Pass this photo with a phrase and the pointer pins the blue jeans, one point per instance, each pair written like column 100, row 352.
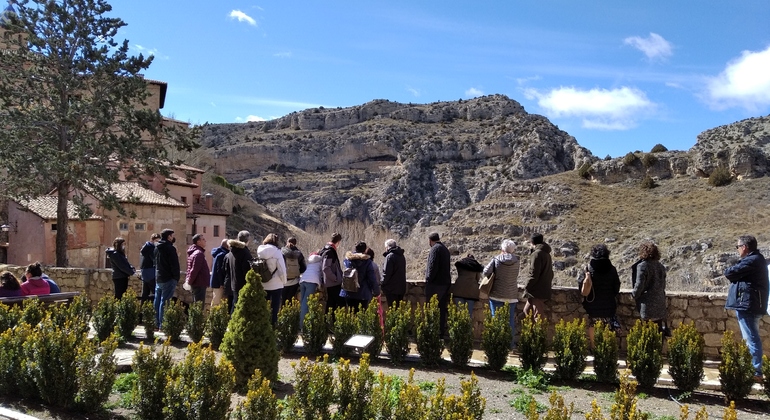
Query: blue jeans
column 274, row 298
column 305, row 290
column 163, row 293
column 494, row 305
column 466, row 301
column 749, row 324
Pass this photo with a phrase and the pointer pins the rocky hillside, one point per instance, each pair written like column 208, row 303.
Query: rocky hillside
column 482, row 170
column 392, row 165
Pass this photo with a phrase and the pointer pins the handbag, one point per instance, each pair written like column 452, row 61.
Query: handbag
column 485, row 286
column 588, row 287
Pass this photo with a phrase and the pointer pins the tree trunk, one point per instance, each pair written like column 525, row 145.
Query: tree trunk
column 62, row 220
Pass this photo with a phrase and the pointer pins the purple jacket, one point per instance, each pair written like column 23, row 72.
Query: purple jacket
column 197, row 267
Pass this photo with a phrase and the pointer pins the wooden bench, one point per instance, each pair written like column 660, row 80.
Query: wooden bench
column 51, row 299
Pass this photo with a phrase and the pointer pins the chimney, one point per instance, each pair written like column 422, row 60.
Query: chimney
column 208, row 200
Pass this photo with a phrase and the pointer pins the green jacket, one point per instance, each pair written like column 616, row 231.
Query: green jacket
column 539, row 275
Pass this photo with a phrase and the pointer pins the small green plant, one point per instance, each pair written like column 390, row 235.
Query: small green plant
column 398, row 322
column 127, row 316
column 314, row 332
column 260, row 403
column 645, row 348
column 649, row 159
column 33, row 312
column 105, row 317
column 648, row 183
column 736, row 373
column 314, row 389
column 9, row 316
column 526, row 404
column 625, row 400
column 533, row 346
column 428, row 333
column 605, row 354
column 196, row 322
column 570, row 346
column 14, row 380
column 720, row 176
column 369, row 324
column 354, row 394
column 460, row 343
column 345, row 325
column 685, row 357
column 149, row 320
column 496, row 337
column 52, row 363
column 411, row 404
column 152, row 369
column 124, row 385
column 557, row 410
column 766, row 375
column 658, row 148
column 287, row 327
column 249, row 343
column 95, row 373
column 173, row 320
column 199, row 387
column 216, row 324
column 630, row 158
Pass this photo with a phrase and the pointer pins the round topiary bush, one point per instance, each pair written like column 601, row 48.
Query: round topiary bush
column 658, row 148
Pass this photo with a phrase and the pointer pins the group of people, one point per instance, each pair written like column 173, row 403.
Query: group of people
column 35, row 283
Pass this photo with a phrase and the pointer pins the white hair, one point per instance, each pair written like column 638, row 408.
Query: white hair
column 508, row 246
column 390, row 243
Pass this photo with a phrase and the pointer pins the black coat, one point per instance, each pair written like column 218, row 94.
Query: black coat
column 166, row 262
column 147, row 259
column 602, row 301
column 121, row 268
column 394, row 272
column 237, row 264
column 438, row 272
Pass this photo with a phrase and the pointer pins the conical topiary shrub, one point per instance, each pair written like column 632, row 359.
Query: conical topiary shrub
column 685, row 357
column 249, row 342
column 645, row 353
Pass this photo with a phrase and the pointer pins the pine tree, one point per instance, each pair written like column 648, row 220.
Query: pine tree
column 250, row 342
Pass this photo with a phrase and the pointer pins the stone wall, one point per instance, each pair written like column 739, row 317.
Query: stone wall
column 707, row 310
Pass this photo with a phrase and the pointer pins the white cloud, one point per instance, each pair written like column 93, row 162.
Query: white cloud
column 250, row 118
column 284, row 54
column 473, row 92
column 745, row 82
column 242, row 17
column 521, row 81
column 601, row 109
column 150, row 52
column 653, row 47
column 413, row 91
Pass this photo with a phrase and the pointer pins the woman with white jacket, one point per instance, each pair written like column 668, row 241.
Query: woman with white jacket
column 271, row 251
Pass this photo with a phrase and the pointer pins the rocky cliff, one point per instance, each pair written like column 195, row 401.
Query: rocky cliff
column 389, row 164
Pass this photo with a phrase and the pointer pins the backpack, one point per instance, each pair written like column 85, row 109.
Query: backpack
column 292, row 267
column 259, row 265
column 350, row 280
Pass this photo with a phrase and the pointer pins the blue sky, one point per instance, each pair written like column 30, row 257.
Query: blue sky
column 618, row 75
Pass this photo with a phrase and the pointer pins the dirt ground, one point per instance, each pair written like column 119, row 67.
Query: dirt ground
column 499, row 388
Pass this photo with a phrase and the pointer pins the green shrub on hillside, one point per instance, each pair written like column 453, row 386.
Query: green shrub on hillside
column 645, row 348
column 649, row 159
column 585, row 170
column 630, row 158
column 685, row 357
column 658, row 148
column 720, row 176
column 648, row 183
column 249, row 343
column 398, row 322
column 736, row 373
column 570, row 346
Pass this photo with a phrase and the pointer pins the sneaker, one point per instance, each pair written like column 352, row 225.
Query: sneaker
column 758, row 379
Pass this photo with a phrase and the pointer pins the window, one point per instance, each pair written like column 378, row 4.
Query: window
column 53, row 227
column 123, row 226
column 216, row 230
column 140, row 226
column 184, row 200
column 204, row 229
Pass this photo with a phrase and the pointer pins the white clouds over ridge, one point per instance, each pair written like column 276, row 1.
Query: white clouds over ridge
column 745, row 82
column 474, row 92
column 653, row 47
column 601, row 109
column 250, row 118
column 242, row 17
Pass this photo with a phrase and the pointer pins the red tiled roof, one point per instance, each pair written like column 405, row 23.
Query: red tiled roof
column 189, row 168
column 132, row 192
column 201, row 209
column 177, row 180
column 45, row 208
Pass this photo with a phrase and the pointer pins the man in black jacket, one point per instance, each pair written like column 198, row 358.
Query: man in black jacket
column 147, row 266
column 393, row 273
column 166, row 271
column 237, row 264
column 438, row 277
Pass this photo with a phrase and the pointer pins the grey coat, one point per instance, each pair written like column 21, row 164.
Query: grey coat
column 505, row 286
column 649, row 283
